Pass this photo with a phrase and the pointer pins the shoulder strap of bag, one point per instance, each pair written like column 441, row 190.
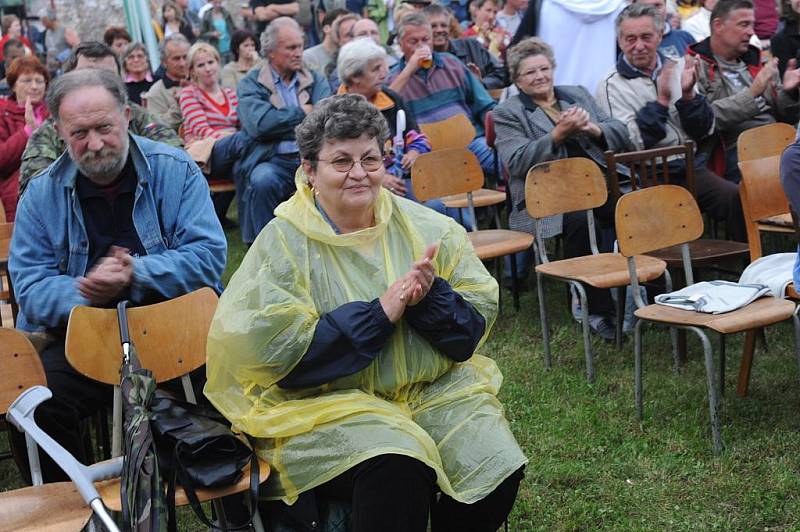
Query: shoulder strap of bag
column 191, row 494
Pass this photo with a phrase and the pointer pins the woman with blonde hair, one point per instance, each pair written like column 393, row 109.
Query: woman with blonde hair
column 209, row 110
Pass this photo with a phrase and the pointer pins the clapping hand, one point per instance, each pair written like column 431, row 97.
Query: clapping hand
column 791, row 76
column 108, row 278
column 411, row 288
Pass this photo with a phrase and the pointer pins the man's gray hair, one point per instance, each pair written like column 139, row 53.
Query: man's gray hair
column 172, row 37
column 269, row 37
column 355, row 57
column 637, row 11
column 80, row 79
column 346, row 116
column 412, row 19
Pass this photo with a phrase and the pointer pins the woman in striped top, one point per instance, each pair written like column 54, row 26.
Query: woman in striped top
column 209, row 110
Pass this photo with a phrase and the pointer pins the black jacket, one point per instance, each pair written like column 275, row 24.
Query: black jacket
column 469, row 50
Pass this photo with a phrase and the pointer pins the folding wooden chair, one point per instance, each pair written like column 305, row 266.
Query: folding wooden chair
column 454, row 132
column 170, row 340
column 651, row 168
column 457, row 132
column 54, row 507
column 763, row 201
column 664, row 216
column 764, row 141
column 766, row 209
column 568, row 185
column 457, row 171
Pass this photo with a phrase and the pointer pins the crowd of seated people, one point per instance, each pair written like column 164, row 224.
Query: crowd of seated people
column 263, row 97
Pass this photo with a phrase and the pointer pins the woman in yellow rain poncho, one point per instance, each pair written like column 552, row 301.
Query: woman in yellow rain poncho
column 344, row 344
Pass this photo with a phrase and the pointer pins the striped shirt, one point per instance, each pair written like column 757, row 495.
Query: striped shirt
column 202, row 116
column 444, row 90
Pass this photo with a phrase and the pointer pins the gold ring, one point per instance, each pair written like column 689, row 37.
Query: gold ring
column 403, row 288
column 402, row 297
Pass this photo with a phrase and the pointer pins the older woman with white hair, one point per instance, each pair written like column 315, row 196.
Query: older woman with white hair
column 362, row 65
column 363, row 69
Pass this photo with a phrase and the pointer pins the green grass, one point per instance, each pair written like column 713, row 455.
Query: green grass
column 593, row 466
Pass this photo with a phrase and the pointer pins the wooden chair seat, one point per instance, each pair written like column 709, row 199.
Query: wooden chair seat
column 781, row 223
column 109, row 490
column 764, row 311
column 606, row 270
column 221, row 185
column 703, row 251
column 791, row 293
column 56, row 507
column 484, row 197
column 493, row 243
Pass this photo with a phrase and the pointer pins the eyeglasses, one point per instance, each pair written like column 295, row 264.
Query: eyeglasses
column 370, row 164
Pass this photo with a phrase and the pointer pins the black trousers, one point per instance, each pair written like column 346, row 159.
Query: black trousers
column 719, row 198
column 395, row 493
column 75, row 398
column 576, row 244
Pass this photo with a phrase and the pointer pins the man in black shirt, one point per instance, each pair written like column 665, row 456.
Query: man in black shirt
column 265, row 11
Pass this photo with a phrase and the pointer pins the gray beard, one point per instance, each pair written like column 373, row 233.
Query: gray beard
column 103, row 171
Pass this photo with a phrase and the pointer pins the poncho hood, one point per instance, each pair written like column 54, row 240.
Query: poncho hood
column 301, row 211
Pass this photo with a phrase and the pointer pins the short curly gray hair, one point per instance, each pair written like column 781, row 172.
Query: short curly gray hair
column 346, row 116
column 528, row 48
column 355, row 57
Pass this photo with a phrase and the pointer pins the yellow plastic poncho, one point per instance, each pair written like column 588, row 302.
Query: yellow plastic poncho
column 411, row 400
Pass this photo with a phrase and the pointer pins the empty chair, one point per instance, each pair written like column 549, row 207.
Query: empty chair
column 664, row 216
column 456, row 171
column 568, row 185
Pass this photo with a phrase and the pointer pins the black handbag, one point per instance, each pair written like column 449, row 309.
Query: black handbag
column 197, row 449
column 194, row 447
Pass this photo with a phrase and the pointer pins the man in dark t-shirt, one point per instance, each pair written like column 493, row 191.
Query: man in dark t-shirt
column 265, row 11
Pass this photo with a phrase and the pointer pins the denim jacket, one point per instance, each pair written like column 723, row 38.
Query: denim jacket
column 173, row 216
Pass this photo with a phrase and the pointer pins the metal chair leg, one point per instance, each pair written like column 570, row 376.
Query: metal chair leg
column 587, row 340
column 543, row 317
column 637, row 368
column 621, row 299
column 514, row 281
column 722, row 365
column 713, row 397
column 676, row 351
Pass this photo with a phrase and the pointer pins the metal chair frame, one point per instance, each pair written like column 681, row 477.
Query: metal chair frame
column 715, row 387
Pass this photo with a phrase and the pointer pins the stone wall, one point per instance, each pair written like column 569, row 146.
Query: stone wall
column 91, row 17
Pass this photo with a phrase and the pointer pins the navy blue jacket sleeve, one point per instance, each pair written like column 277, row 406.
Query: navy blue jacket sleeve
column 696, row 116
column 346, row 340
column 790, row 175
column 652, row 122
column 447, row 321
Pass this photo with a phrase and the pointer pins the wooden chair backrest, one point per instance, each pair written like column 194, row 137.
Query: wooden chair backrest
column 764, row 141
column 6, row 231
column 454, row 132
column 656, row 217
column 445, row 172
column 2, row 213
column 565, row 185
column 760, row 189
column 762, row 196
column 650, row 166
column 21, row 365
column 170, row 337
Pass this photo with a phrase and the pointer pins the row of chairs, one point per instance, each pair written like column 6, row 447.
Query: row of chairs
column 167, row 343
